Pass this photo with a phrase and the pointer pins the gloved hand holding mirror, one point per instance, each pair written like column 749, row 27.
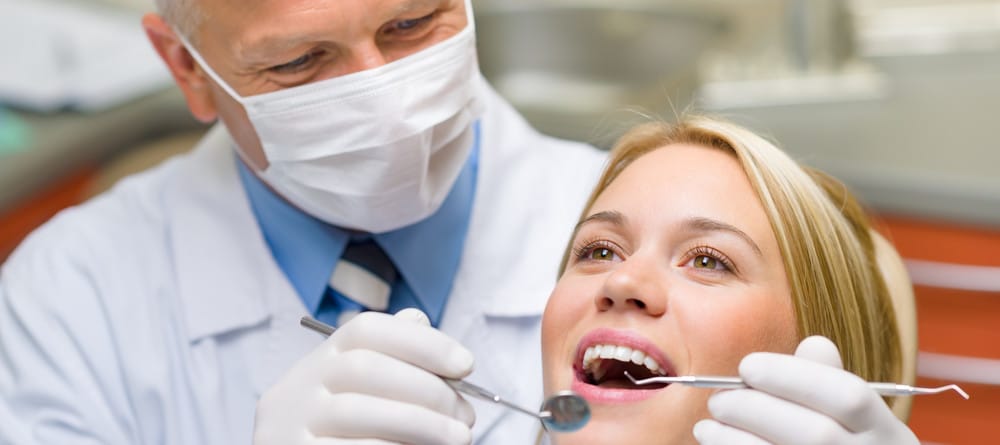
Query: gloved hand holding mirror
column 562, row 412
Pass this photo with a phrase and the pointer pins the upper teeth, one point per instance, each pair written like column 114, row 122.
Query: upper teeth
column 593, row 355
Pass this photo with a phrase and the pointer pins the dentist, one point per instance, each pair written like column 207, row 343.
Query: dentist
column 360, row 164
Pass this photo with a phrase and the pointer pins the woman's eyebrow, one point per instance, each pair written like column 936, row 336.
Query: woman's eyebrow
column 702, row 224
column 609, row 216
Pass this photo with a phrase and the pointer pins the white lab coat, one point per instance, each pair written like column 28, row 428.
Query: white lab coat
column 155, row 314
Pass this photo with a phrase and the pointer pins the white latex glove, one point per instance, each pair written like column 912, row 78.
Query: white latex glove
column 374, row 381
column 803, row 399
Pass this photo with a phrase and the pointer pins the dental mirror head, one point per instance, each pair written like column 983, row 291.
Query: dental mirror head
column 565, row 412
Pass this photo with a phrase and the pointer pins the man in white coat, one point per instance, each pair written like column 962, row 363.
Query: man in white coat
column 167, row 310
column 361, row 165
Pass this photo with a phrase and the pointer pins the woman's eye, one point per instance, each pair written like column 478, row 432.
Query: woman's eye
column 706, row 262
column 597, row 251
column 602, row 254
column 707, row 258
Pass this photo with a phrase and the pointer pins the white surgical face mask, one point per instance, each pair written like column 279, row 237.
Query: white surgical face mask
column 374, row 150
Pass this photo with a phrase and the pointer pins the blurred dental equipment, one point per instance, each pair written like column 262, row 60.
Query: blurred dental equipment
column 73, row 55
column 564, row 412
column 883, row 388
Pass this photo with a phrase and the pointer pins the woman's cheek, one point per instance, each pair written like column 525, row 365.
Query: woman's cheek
column 718, row 328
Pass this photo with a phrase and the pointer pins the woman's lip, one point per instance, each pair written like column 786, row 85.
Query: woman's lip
column 596, row 395
column 617, row 337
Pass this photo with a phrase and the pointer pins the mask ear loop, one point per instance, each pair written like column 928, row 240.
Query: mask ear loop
column 256, row 169
column 470, row 16
column 208, row 69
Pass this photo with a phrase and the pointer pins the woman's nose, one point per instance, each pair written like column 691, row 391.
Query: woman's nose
column 636, row 284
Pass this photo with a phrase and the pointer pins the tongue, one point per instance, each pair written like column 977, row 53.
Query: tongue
column 614, row 376
column 619, row 384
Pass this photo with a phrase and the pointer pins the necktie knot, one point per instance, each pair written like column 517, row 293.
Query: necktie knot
column 362, row 280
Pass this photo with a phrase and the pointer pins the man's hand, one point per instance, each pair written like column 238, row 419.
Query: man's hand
column 803, row 399
column 376, row 380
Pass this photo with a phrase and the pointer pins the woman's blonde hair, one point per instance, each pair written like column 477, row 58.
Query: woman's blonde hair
column 822, row 232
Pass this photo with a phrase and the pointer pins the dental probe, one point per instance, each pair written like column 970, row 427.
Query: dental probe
column 704, row 381
column 564, row 412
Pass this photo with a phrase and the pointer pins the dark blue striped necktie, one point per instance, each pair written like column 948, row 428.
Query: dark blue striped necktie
column 362, row 280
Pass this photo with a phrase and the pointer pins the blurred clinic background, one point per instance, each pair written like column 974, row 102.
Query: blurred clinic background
column 898, row 98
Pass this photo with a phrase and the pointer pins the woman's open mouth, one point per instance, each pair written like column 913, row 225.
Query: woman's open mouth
column 606, row 365
column 603, row 360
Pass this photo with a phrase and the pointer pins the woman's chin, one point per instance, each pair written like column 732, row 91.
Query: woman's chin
column 603, row 431
column 663, row 416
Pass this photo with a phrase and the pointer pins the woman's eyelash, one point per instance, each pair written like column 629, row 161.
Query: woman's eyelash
column 582, row 250
column 713, row 253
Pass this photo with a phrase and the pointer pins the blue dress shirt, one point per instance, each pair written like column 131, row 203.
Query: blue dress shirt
column 426, row 254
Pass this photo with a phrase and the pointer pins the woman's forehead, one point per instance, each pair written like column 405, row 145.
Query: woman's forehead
column 677, row 184
column 680, row 174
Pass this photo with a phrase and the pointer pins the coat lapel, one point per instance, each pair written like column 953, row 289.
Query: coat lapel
column 227, row 277
column 213, row 243
column 508, row 357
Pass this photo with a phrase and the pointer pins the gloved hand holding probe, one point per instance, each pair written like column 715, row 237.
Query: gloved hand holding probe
column 808, row 399
column 358, row 384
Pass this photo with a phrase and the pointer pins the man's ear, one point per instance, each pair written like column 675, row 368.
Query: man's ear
column 189, row 77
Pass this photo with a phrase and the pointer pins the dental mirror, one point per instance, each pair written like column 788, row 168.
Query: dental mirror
column 564, row 412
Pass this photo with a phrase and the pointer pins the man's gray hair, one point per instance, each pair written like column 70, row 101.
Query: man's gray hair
column 183, row 15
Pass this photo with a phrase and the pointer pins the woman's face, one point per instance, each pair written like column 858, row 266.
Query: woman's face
column 675, row 267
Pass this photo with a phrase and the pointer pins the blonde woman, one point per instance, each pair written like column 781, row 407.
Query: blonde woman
column 705, row 250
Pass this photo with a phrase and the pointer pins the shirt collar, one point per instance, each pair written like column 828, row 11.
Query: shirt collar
column 426, row 254
column 304, row 247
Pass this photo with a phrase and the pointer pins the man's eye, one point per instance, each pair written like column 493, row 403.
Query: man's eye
column 408, row 25
column 295, row 65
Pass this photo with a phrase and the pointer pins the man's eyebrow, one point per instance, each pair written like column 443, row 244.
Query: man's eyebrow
column 407, row 7
column 609, row 216
column 264, row 46
column 702, row 224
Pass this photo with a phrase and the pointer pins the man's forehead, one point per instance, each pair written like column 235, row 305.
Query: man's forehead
column 354, row 9
column 266, row 24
